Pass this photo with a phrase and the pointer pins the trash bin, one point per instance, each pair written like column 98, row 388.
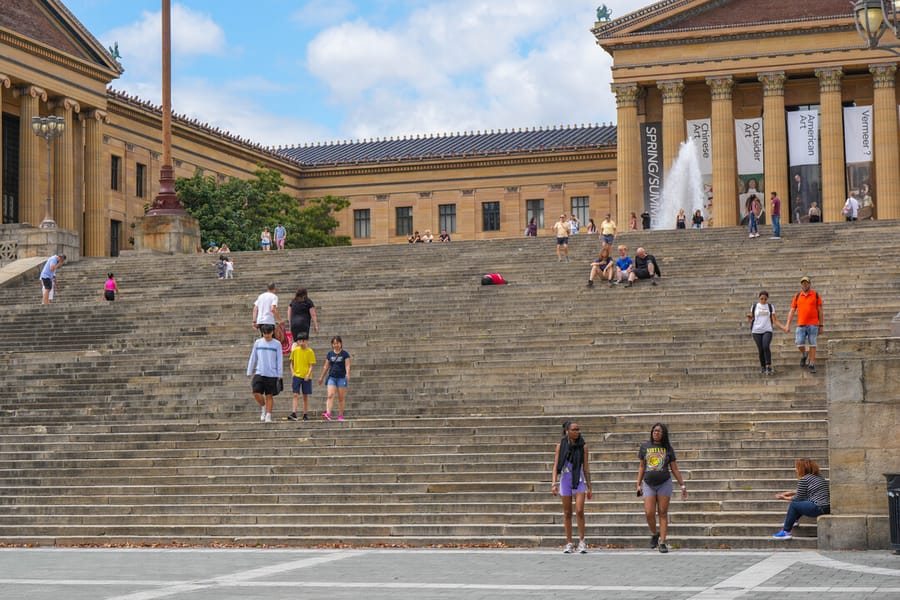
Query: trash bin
column 893, row 493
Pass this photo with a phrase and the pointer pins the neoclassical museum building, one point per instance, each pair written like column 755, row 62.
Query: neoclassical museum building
column 774, row 96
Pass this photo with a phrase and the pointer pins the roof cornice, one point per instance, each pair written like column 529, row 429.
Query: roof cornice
column 52, row 55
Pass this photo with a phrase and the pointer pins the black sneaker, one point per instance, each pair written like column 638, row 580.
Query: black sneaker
column 812, row 368
column 305, row 417
column 589, row 283
column 653, row 281
column 629, row 284
column 663, row 549
column 803, row 360
column 763, row 370
column 292, row 417
column 770, row 371
column 654, row 541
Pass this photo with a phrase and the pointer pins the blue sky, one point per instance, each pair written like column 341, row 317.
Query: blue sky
column 285, row 73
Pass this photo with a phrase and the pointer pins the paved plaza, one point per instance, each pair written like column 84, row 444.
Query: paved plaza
column 375, row 574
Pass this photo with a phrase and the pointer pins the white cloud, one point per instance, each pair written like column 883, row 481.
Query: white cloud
column 320, row 13
column 193, row 34
column 467, row 65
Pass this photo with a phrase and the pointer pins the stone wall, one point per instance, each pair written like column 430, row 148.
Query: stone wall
column 863, row 441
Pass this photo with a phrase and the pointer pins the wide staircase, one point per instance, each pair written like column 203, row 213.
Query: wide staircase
column 132, row 422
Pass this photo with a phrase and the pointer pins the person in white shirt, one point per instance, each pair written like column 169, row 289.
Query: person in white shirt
column 265, row 308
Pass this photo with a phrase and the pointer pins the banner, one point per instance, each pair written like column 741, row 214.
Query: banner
column 858, row 122
column 803, row 137
column 748, row 135
column 805, row 201
column 652, row 160
column 858, row 134
column 700, row 130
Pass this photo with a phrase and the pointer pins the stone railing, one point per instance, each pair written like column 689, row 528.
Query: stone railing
column 9, row 251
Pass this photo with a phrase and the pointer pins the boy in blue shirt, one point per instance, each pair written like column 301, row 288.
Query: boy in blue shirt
column 265, row 367
column 624, row 265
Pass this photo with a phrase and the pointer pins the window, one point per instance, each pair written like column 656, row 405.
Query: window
column 139, row 174
column 447, row 218
column 490, row 216
column 404, row 220
column 115, row 166
column 580, row 205
column 362, row 223
column 534, row 209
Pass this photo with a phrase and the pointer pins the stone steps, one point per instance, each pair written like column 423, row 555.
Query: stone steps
column 131, row 422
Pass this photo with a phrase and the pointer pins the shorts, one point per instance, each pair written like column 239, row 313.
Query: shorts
column 336, row 382
column 565, row 483
column 47, row 282
column 807, row 333
column 608, row 239
column 642, row 273
column 109, row 295
column 265, row 244
column 563, row 241
column 299, row 385
column 279, row 242
column 264, row 385
column 663, row 489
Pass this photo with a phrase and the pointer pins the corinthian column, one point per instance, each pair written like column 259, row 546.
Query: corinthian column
column 4, row 83
column 775, row 139
column 834, row 186
column 63, row 166
column 628, row 151
column 673, row 119
column 887, row 179
column 31, row 207
column 724, row 161
column 96, row 216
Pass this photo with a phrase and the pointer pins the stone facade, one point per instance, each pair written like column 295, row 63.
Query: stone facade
column 863, row 445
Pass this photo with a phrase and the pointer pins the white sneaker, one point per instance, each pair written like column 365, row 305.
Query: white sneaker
column 582, row 548
column 569, row 549
column 262, row 413
column 268, row 418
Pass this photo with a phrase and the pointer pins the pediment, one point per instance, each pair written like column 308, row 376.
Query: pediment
column 49, row 23
column 698, row 15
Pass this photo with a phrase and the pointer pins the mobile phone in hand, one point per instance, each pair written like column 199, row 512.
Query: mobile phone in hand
column 639, row 493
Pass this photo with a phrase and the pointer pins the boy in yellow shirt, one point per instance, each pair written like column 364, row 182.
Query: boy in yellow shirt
column 302, row 360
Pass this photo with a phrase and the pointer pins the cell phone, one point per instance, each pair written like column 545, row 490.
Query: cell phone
column 639, row 493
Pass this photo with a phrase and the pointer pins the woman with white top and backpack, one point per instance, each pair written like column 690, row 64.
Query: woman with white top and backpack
column 762, row 318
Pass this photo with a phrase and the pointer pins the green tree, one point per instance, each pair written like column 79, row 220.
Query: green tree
column 235, row 211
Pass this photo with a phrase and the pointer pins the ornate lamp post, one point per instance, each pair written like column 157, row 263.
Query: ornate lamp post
column 48, row 128
column 873, row 18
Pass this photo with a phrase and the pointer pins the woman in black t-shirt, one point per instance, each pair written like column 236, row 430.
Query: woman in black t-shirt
column 302, row 312
column 654, row 482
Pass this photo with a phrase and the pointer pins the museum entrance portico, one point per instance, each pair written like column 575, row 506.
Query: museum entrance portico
column 777, row 98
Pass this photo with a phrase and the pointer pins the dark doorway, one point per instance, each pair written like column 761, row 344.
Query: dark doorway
column 10, row 145
column 115, row 230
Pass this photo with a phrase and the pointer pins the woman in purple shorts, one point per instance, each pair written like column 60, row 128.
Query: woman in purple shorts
column 654, row 482
column 572, row 457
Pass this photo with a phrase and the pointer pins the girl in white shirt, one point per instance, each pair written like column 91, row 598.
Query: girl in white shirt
column 761, row 318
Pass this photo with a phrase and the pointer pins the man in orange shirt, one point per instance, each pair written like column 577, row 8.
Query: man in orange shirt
column 808, row 306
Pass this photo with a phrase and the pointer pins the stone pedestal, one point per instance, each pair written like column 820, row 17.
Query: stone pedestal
column 167, row 234
column 863, row 420
column 34, row 241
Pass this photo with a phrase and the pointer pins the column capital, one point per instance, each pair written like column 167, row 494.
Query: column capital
column 627, row 94
column 829, row 79
column 672, row 90
column 4, row 80
column 30, row 90
column 884, row 75
column 773, row 83
column 65, row 104
column 721, row 87
column 96, row 114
